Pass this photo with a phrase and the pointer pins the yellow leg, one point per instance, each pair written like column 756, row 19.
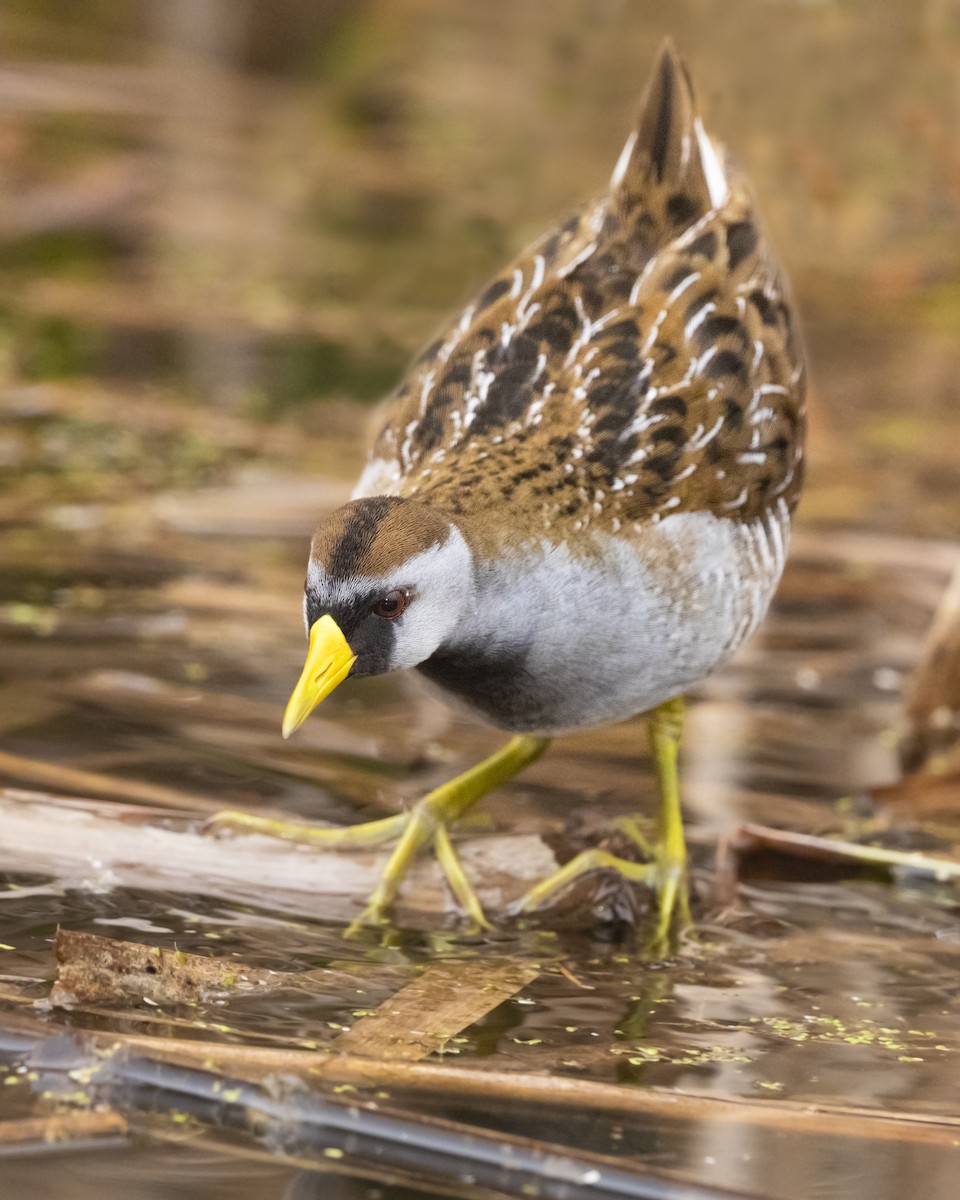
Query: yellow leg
column 666, row 729
column 426, row 822
column 585, row 862
column 667, row 873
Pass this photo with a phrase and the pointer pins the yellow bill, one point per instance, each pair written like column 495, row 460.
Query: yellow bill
column 329, row 660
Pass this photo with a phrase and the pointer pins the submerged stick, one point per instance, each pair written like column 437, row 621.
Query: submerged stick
column 423, row 1151
column 80, row 841
column 439, row 1081
column 67, row 1131
column 526, row 1089
column 362, row 1138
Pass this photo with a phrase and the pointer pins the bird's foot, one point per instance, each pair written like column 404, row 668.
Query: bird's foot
column 673, row 906
column 427, row 822
column 423, row 824
column 353, row 837
column 665, row 873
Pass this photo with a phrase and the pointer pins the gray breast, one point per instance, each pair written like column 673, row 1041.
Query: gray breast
column 560, row 641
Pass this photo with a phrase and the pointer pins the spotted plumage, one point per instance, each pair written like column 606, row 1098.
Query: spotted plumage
column 640, row 359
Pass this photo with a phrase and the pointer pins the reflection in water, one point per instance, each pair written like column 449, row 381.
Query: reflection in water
column 307, row 1185
column 358, row 167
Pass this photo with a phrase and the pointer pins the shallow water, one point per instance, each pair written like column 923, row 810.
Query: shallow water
column 813, row 986
column 358, row 168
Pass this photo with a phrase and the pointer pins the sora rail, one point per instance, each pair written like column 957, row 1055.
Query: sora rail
column 579, row 502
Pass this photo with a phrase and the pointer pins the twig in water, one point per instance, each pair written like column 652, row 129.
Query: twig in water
column 750, row 838
column 62, row 1131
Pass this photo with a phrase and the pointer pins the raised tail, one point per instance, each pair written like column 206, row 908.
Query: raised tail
column 670, row 172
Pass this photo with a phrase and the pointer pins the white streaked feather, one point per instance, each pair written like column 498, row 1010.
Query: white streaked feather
column 713, row 170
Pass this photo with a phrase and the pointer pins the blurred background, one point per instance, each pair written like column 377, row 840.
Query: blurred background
column 225, row 228
column 227, row 225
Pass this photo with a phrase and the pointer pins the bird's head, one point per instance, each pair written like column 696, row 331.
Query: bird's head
column 387, row 582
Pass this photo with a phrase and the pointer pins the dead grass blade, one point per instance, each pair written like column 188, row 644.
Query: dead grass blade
column 107, row 787
column 750, row 838
column 435, row 1007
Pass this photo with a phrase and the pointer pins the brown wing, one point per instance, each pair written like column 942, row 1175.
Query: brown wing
column 638, row 360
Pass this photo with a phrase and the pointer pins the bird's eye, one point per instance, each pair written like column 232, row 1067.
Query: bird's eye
column 392, row 604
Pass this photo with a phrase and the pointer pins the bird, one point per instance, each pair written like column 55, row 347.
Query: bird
column 578, row 502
